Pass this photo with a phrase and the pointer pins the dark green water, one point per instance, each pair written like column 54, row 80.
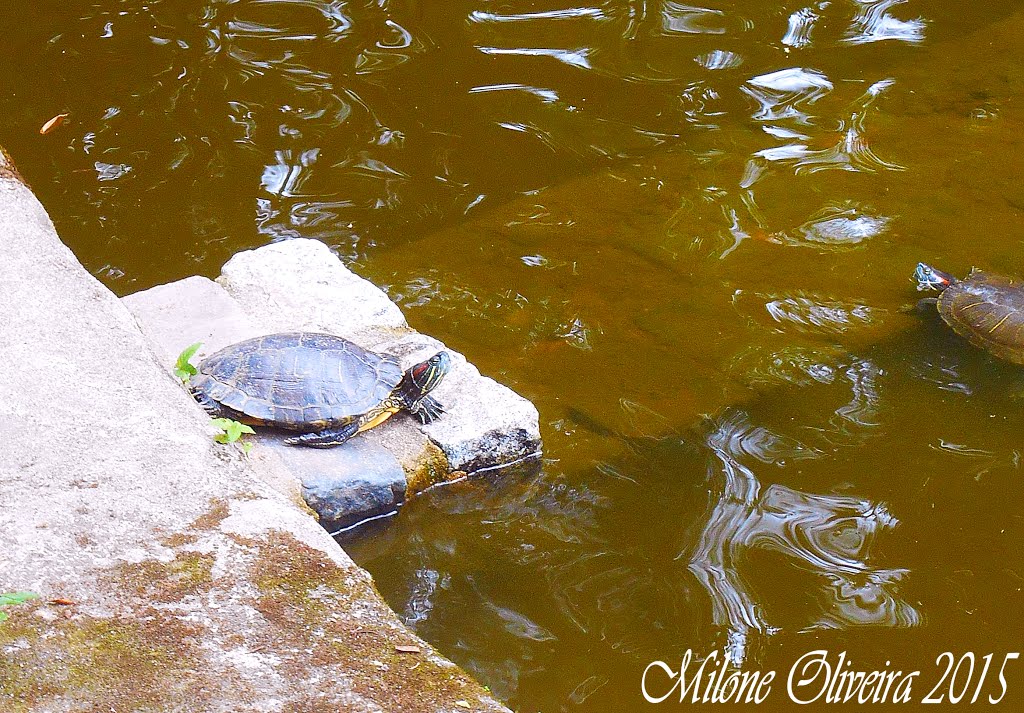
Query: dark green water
column 686, row 232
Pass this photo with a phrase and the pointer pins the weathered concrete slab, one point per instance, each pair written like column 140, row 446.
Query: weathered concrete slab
column 192, row 310
column 195, row 586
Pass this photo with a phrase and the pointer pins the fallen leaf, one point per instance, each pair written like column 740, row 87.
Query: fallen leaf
column 63, row 602
column 408, row 649
column 53, row 124
column 462, row 704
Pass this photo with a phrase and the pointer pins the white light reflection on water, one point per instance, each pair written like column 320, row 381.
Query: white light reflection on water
column 874, row 23
column 829, row 535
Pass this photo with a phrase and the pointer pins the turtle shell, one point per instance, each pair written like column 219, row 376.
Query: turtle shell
column 988, row 311
column 301, row 381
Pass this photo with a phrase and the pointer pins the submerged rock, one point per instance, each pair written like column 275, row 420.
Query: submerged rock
column 346, row 486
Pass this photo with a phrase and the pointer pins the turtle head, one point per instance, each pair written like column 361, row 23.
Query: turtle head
column 928, row 278
column 428, row 374
column 421, row 378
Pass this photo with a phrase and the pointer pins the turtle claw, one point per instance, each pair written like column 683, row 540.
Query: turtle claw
column 427, row 409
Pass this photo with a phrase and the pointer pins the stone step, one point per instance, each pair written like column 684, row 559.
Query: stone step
column 300, row 285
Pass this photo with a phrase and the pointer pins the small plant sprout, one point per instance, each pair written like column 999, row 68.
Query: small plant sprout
column 10, row 598
column 231, row 432
column 182, row 368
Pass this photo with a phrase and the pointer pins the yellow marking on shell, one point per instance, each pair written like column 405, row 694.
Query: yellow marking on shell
column 974, row 304
column 1006, row 317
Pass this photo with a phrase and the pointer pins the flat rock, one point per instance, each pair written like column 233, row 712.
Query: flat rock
column 301, row 284
column 192, row 310
column 344, row 486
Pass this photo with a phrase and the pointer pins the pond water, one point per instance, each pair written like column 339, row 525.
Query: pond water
column 686, row 232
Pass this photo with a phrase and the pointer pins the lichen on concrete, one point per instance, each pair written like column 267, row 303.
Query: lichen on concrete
column 146, row 661
column 300, row 595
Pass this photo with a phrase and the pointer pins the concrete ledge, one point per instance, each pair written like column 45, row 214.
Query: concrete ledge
column 174, row 573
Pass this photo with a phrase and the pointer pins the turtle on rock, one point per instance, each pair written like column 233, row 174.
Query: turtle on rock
column 324, row 386
column 985, row 309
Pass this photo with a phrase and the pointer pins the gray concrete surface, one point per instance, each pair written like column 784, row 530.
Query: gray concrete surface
column 174, row 574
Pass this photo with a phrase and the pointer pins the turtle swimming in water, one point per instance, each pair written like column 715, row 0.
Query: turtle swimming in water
column 985, row 309
column 321, row 385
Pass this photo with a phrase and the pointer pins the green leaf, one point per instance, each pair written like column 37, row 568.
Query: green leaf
column 246, row 447
column 182, row 368
column 239, row 429
column 3, row 617
column 9, row 598
column 232, row 430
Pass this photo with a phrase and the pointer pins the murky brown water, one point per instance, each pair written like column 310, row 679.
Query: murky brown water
column 684, row 231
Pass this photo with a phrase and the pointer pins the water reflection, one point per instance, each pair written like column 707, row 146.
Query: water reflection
column 828, row 535
column 801, row 23
column 782, row 96
column 787, row 94
column 677, row 17
column 874, row 23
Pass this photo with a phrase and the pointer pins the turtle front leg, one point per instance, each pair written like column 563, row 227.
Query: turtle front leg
column 427, row 409
column 927, row 305
column 327, row 438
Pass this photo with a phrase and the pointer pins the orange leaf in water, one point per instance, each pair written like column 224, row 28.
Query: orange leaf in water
column 53, row 124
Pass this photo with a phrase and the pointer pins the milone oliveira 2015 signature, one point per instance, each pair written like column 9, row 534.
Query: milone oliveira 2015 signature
column 817, row 678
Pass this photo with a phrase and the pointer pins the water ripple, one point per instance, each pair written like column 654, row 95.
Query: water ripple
column 719, row 59
column 793, row 364
column 574, row 58
column 785, row 94
column 851, row 150
column 874, row 23
column 863, row 407
column 801, row 22
column 818, row 314
column 562, row 14
column 687, row 19
column 548, row 96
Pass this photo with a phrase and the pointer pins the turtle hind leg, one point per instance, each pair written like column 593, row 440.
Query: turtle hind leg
column 427, row 409
column 327, row 438
column 212, row 407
